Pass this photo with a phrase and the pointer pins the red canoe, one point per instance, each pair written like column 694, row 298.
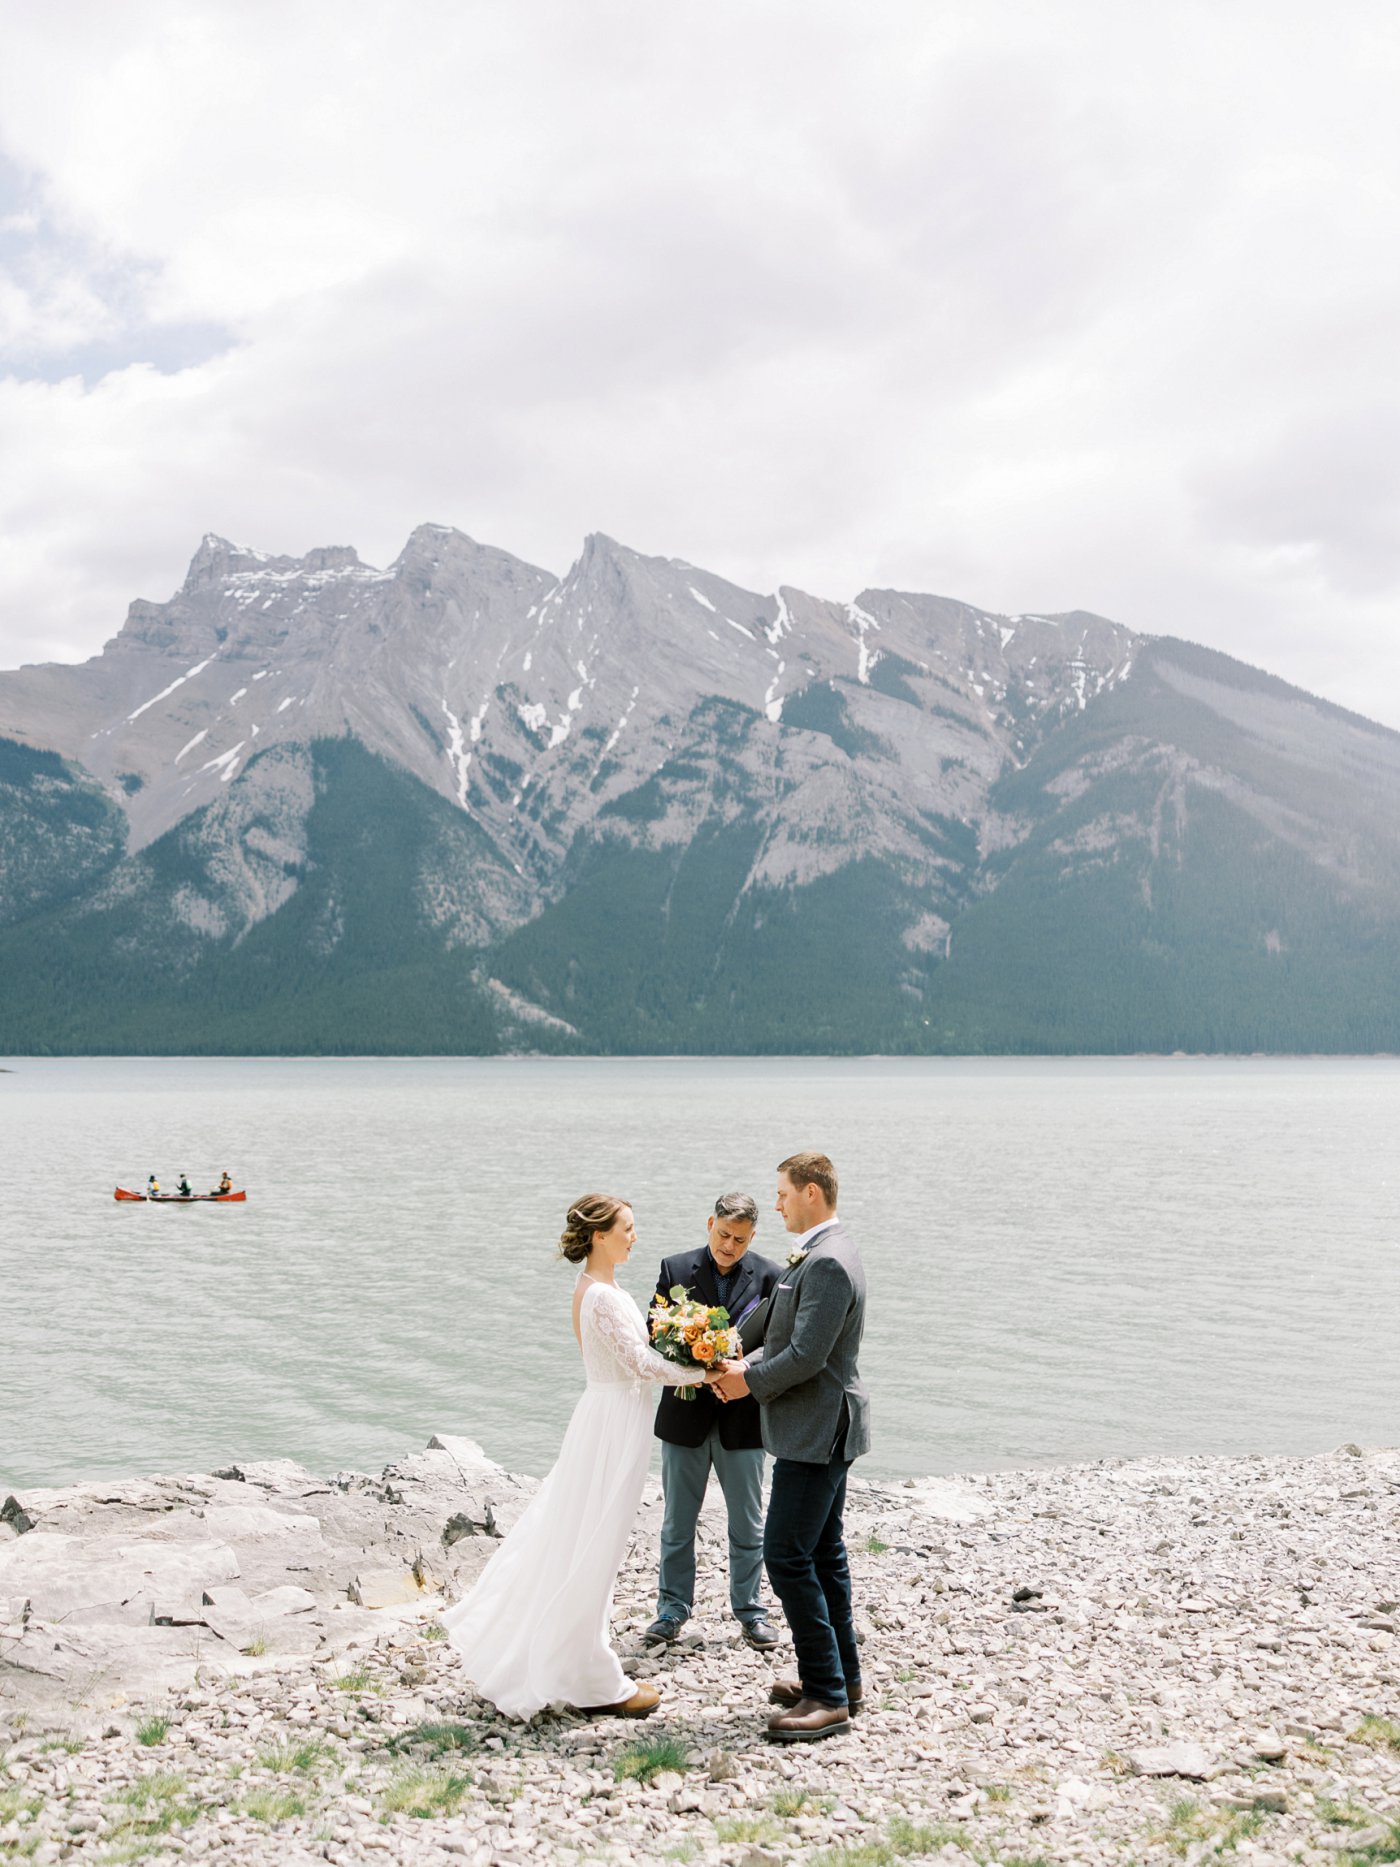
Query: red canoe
column 178, row 1199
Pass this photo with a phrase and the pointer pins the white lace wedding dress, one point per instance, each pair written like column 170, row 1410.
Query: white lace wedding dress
column 534, row 1630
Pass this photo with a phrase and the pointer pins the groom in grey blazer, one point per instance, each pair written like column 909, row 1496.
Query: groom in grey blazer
column 816, row 1421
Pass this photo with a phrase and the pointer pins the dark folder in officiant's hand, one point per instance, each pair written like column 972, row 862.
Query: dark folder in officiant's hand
column 752, row 1325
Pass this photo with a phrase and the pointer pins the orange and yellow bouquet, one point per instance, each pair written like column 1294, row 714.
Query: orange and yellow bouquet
column 691, row 1334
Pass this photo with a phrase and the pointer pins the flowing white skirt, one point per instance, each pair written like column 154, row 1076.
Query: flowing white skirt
column 534, row 1630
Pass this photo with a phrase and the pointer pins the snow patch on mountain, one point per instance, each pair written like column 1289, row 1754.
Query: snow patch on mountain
column 166, row 692
column 457, row 757
column 226, row 763
column 782, row 622
column 626, row 715
column 866, row 657
column 772, row 700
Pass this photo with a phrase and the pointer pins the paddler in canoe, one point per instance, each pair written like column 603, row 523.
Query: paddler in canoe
column 183, row 1187
column 152, row 1186
column 225, row 1185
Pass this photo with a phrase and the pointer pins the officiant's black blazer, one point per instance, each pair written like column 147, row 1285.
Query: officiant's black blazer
column 688, row 1422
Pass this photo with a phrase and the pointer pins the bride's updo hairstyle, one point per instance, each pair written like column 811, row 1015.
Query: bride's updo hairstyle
column 595, row 1212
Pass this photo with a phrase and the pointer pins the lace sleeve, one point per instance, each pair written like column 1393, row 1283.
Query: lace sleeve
column 614, row 1322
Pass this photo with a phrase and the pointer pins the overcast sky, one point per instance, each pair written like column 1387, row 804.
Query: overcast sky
column 1045, row 306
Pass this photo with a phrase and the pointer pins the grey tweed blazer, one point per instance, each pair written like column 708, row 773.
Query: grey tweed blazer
column 806, row 1367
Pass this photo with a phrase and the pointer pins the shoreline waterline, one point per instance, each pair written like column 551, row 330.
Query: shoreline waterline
column 706, row 1056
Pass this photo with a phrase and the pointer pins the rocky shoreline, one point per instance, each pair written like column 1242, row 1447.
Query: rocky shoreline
column 1129, row 1662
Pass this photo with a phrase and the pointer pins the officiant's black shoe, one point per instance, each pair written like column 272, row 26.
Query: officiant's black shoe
column 664, row 1632
column 789, row 1692
column 808, row 1722
column 762, row 1634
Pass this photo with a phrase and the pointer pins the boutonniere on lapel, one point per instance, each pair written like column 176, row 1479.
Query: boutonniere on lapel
column 797, row 1257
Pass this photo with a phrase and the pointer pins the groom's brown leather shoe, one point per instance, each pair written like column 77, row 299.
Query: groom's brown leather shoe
column 642, row 1704
column 789, row 1692
column 808, row 1722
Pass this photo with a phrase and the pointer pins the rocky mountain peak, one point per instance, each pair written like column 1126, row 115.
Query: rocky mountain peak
column 216, row 558
column 433, row 542
column 604, row 569
column 438, row 560
column 333, row 557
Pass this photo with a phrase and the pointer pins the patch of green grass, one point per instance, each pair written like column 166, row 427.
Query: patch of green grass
column 17, row 1802
column 153, row 1730
column 274, row 1805
column 66, row 1742
column 906, row 1839
column 1379, row 1733
column 1191, row 1824
column 1116, row 1763
column 152, row 1805
column 356, row 1679
column 859, row 1854
column 683, row 1851
column 426, row 1789
column 874, row 1547
column 1378, row 1851
column 790, row 1801
column 161, row 1786
column 1342, row 1814
column 435, row 1631
column 256, row 1647
column 753, row 1828
column 302, row 1758
column 998, row 1792
column 906, row 1675
column 648, row 1757
column 438, row 1739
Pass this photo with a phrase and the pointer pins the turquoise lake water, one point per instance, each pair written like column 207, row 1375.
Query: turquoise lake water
column 1067, row 1258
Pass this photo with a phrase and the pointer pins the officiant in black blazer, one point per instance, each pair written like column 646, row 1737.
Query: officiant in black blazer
column 703, row 1435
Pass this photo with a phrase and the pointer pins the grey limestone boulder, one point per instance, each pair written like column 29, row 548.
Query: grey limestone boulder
column 141, row 1584
column 63, row 1574
column 1192, row 1761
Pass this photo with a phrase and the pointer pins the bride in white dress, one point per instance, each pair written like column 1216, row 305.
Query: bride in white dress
column 534, row 1630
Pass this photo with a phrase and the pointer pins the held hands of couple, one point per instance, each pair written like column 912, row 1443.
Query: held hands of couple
column 727, row 1379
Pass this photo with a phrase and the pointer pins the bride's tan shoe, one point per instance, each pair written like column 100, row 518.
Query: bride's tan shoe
column 642, row 1704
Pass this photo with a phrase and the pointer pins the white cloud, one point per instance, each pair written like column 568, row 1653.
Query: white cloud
column 1042, row 305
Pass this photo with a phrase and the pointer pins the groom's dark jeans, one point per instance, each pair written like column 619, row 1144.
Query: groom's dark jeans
column 804, row 1549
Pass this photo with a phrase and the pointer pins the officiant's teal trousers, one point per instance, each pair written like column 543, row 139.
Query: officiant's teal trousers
column 685, row 1473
